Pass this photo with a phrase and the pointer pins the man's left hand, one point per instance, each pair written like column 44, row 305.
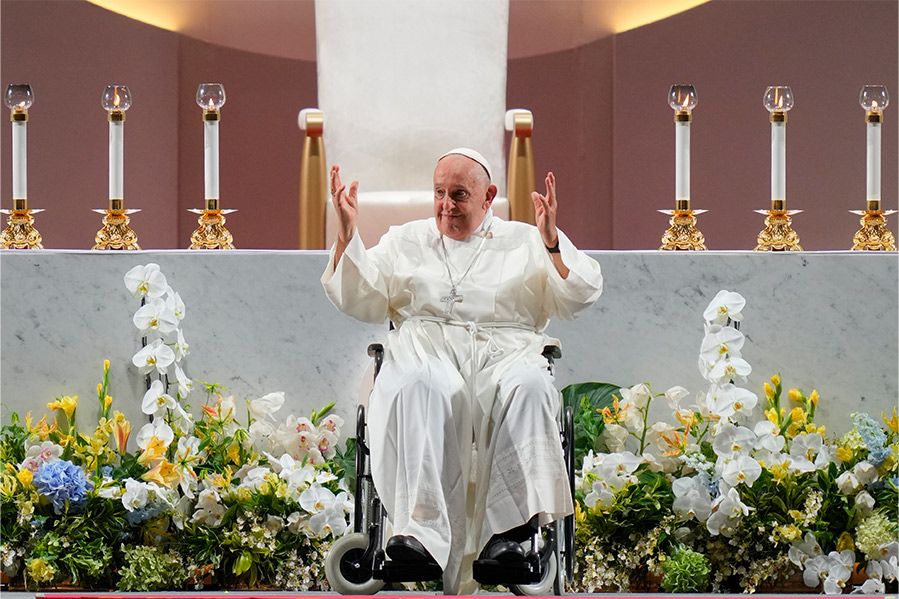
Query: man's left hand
column 545, row 208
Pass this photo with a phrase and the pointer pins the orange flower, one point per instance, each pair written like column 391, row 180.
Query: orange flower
column 122, row 430
column 163, row 473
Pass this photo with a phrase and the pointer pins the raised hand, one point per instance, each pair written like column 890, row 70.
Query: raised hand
column 545, row 209
column 345, row 204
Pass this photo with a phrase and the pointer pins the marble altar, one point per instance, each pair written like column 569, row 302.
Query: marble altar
column 258, row 321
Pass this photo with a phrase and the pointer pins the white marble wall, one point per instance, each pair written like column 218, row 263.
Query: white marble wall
column 259, row 322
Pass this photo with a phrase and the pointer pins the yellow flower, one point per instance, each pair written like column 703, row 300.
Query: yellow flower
column 40, row 571
column 769, row 391
column 893, row 422
column 107, row 402
column 105, row 366
column 234, row 453
column 8, row 485
column 25, row 477
column 779, row 471
column 798, row 415
column 845, row 542
column 771, row 415
column 792, row 430
column 789, row 532
column 795, row 395
column 66, row 403
column 244, row 495
column 844, row 454
column 814, row 398
column 775, row 378
column 796, row 515
column 99, row 389
column 163, row 473
column 155, row 450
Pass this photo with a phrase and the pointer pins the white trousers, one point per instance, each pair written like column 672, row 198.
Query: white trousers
column 448, row 492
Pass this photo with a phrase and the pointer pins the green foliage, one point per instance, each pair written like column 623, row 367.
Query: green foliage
column 12, row 441
column 686, row 571
column 344, row 463
column 639, row 507
column 588, row 400
column 150, row 569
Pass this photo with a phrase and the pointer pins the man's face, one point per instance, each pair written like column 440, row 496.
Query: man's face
column 462, row 196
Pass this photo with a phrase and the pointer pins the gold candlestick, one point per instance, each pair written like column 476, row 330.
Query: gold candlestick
column 874, row 235
column 211, row 233
column 778, row 234
column 683, row 234
column 20, row 233
column 116, row 233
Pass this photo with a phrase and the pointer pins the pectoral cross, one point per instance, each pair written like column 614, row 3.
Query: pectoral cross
column 449, row 300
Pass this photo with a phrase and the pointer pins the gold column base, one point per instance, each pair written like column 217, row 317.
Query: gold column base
column 683, row 234
column 211, row 233
column 116, row 233
column 778, row 234
column 874, row 235
column 20, row 233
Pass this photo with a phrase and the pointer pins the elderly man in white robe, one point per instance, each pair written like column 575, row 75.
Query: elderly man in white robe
column 465, row 450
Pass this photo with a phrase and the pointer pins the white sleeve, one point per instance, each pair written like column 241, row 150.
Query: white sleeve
column 358, row 285
column 566, row 297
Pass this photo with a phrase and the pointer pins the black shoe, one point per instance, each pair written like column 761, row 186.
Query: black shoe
column 407, row 549
column 503, row 550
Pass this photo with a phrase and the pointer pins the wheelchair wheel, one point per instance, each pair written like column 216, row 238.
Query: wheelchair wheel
column 546, row 585
column 344, row 570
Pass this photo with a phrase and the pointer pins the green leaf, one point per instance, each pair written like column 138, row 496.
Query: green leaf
column 243, row 563
column 598, row 394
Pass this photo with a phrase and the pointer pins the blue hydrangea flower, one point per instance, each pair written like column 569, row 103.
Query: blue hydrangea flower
column 63, row 483
column 873, row 437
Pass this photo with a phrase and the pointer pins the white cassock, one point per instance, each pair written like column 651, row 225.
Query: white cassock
column 474, row 373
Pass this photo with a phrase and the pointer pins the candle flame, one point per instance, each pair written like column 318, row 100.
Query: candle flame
column 210, row 105
column 116, row 100
column 686, row 100
column 780, row 102
column 873, row 104
column 21, row 105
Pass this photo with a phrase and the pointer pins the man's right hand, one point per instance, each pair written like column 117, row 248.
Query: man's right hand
column 345, row 204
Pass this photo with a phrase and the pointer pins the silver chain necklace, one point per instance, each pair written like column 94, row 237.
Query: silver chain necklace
column 454, row 297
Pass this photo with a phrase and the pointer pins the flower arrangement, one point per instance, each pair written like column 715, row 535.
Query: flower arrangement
column 725, row 499
column 190, row 501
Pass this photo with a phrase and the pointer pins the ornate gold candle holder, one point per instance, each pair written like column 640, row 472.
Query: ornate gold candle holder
column 778, row 234
column 683, row 234
column 116, row 233
column 20, row 233
column 211, row 233
column 874, row 235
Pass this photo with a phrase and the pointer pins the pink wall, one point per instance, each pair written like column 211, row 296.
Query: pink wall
column 601, row 122
column 732, row 51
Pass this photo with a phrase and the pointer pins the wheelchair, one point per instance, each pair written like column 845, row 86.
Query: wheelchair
column 357, row 564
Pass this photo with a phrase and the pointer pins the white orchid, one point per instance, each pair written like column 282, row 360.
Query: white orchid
column 182, row 349
column 768, row 437
column 729, row 401
column 332, row 519
column 726, row 304
column 331, row 422
column 154, row 439
column 156, row 355
column 41, row 453
column 156, row 399
column 864, row 504
column 872, row 586
column 808, row 453
column 729, row 369
column 327, row 444
column 834, row 569
column 175, row 305
column 802, row 551
column 741, row 469
column 732, row 440
column 720, row 342
column 146, row 281
column 638, row 395
column 185, row 385
column 155, row 316
column 691, row 498
column 727, row 511
column 601, row 494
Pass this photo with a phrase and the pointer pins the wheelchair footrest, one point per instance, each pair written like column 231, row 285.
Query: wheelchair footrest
column 405, row 571
column 489, row 571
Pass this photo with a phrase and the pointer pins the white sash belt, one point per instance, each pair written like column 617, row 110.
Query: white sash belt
column 474, row 330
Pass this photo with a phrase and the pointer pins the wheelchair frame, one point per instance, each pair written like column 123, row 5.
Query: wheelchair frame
column 357, row 563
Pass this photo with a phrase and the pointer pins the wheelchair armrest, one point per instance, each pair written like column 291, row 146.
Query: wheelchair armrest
column 374, row 349
column 552, row 352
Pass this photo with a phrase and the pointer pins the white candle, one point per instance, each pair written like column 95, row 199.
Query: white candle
column 211, row 156
column 116, row 160
column 19, row 160
column 682, row 160
column 873, row 172
column 778, row 161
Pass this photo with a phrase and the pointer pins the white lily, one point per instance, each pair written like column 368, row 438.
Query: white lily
column 848, row 484
column 691, row 498
column 188, row 455
column 156, row 399
column 726, row 304
column 155, row 316
column 146, row 281
column 156, row 355
column 865, row 472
